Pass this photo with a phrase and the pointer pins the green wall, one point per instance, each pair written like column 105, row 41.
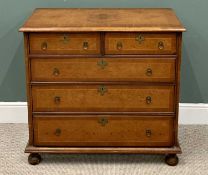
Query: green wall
column 193, row 14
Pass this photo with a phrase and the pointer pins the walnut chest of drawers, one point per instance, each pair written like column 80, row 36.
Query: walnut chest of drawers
column 103, row 81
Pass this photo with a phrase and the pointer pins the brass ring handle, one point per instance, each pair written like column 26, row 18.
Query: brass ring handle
column 57, row 132
column 149, row 72
column 44, row 46
column 56, row 72
column 102, row 63
column 85, row 45
column 148, row 99
column 102, row 90
column 57, row 99
column 161, row 45
column 103, row 121
column 119, row 45
column 139, row 38
column 148, row 133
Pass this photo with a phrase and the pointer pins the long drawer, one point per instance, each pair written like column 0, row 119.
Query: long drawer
column 65, row 43
column 106, row 98
column 140, row 43
column 106, row 69
column 61, row 130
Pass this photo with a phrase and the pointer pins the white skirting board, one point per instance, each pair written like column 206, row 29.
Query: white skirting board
column 189, row 113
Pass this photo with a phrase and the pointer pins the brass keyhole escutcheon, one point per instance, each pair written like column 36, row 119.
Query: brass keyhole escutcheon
column 148, row 133
column 119, row 45
column 85, row 45
column 148, row 99
column 161, row 45
column 57, row 100
column 149, row 72
column 139, row 38
column 44, row 46
column 57, row 132
column 65, row 39
column 56, row 72
column 103, row 121
column 102, row 63
column 102, row 90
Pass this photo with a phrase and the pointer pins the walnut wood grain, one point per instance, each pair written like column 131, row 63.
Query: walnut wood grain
column 28, row 87
column 103, row 69
column 102, row 56
column 177, row 89
column 89, row 131
column 65, row 43
column 102, row 19
column 103, row 150
column 87, row 98
column 131, row 44
column 155, row 114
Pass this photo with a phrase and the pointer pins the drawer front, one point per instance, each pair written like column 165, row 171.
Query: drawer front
column 106, row 69
column 102, row 131
column 140, row 43
column 103, row 98
column 58, row 43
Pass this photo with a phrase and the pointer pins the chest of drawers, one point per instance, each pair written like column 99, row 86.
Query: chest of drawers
column 103, row 81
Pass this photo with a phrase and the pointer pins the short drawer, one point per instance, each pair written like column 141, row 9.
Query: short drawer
column 63, row 44
column 102, row 130
column 140, row 43
column 103, row 98
column 106, row 69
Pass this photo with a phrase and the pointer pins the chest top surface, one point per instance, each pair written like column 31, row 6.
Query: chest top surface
column 102, row 19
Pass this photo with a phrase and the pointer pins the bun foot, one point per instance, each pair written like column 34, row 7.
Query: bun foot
column 34, row 158
column 171, row 159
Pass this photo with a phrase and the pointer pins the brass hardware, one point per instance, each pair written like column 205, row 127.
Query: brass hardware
column 161, row 45
column 148, row 100
column 148, row 133
column 119, row 45
column 65, row 39
column 57, row 132
column 139, row 38
column 102, row 90
column 103, row 121
column 149, row 72
column 44, row 46
column 56, row 72
column 102, row 63
column 57, row 99
column 85, row 45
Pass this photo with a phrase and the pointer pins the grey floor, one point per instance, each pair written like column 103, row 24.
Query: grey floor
column 193, row 161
